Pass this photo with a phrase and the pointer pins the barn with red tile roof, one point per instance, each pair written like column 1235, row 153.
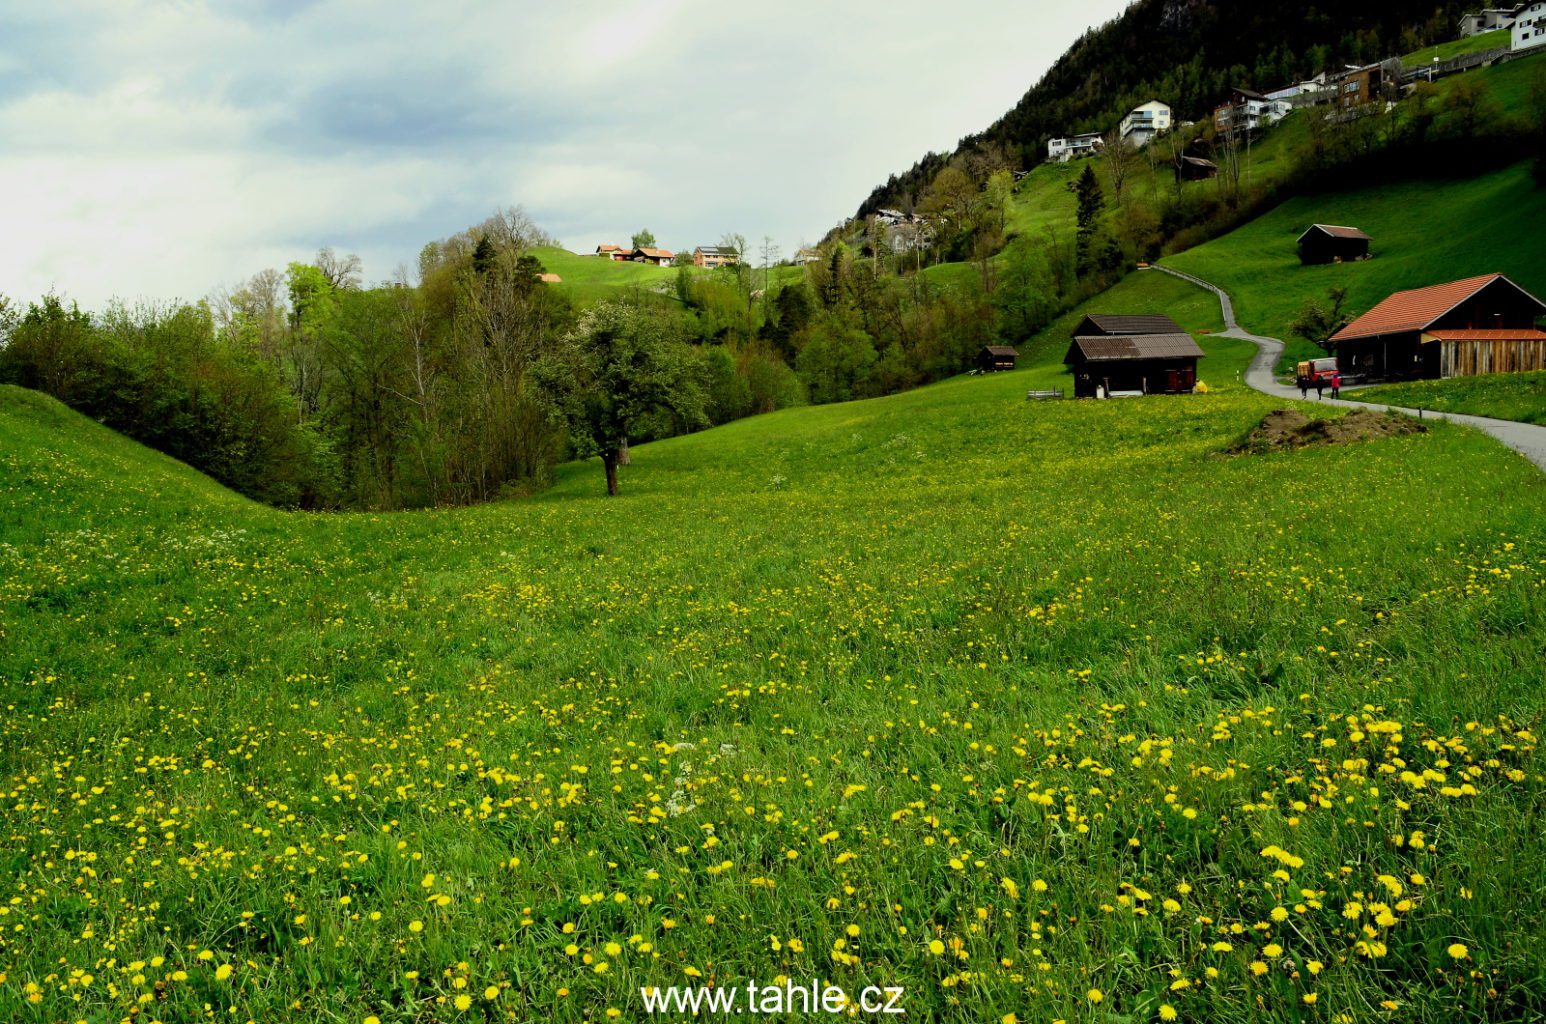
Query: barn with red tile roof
column 1482, row 324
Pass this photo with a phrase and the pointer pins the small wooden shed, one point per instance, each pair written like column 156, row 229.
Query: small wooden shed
column 993, row 358
column 1195, row 168
column 1151, row 364
column 1332, row 243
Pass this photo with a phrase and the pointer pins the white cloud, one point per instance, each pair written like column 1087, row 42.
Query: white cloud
column 160, row 150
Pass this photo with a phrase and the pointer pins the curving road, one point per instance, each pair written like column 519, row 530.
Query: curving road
column 1528, row 439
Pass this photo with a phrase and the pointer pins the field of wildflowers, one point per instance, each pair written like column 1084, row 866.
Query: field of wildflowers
column 1040, row 711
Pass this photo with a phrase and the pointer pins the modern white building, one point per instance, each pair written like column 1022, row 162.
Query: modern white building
column 1064, row 150
column 1145, row 122
column 1300, row 90
column 1249, row 111
column 1487, row 20
column 1529, row 28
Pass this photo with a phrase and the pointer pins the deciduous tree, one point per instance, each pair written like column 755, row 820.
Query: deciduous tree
column 615, row 368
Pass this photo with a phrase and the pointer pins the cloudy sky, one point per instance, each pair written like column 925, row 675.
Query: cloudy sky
column 162, row 150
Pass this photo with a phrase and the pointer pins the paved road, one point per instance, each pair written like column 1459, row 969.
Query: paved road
column 1528, row 439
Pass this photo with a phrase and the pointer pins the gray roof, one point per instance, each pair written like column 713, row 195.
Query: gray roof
column 1144, row 323
column 717, row 250
column 1135, row 346
column 1336, row 231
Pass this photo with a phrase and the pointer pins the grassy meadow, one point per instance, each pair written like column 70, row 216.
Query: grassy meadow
column 1504, row 396
column 1425, row 232
column 589, row 278
column 1458, row 48
column 1040, row 710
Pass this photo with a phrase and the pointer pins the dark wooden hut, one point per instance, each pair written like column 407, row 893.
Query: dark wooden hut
column 1151, row 364
column 1195, row 168
column 993, row 358
column 1332, row 243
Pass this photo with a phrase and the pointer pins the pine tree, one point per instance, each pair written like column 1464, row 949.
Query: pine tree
column 1091, row 201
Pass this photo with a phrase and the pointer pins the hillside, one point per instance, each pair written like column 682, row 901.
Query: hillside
column 590, row 278
column 905, row 681
column 1190, row 53
column 1425, row 232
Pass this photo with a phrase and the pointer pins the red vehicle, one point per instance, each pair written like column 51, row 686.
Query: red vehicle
column 1316, row 371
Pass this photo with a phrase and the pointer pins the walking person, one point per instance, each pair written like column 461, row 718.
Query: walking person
column 1304, row 386
column 1320, row 388
column 1336, row 384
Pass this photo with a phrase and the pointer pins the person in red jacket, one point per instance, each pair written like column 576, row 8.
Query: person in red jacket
column 1336, row 384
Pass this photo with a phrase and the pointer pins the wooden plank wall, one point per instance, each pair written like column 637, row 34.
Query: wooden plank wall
column 1469, row 358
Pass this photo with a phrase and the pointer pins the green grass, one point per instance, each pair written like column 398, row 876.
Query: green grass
column 1457, row 48
column 1510, row 84
column 590, row 278
column 1424, row 233
column 1056, row 686
column 1504, row 396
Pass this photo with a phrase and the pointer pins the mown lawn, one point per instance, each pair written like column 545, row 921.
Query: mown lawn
column 1050, row 710
column 1424, row 232
column 1504, row 396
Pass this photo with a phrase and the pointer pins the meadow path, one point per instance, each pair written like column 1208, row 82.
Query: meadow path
column 1528, row 439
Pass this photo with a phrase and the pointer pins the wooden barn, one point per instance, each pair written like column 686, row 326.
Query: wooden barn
column 1108, row 324
column 1149, row 364
column 994, row 358
column 1332, row 243
column 1479, row 325
column 1195, row 168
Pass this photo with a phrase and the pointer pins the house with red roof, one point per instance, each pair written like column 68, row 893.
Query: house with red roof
column 1482, row 324
column 659, row 257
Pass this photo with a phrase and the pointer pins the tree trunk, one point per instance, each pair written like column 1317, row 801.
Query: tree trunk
column 609, row 460
column 623, row 458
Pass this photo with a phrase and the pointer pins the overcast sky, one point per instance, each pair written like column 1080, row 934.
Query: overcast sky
column 164, row 150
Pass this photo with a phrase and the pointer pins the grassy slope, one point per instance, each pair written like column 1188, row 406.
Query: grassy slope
column 1424, row 233
column 1509, row 396
column 853, row 665
column 591, row 278
column 1457, row 48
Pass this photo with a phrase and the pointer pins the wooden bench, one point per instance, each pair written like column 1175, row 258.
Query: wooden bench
column 1042, row 396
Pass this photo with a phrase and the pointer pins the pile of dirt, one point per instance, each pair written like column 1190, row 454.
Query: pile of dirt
column 1289, row 428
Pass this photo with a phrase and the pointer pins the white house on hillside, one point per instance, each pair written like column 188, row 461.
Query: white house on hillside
column 1144, row 122
column 1300, row 91
column 1488, row 20
column 1064, row 150
column 1529, row 29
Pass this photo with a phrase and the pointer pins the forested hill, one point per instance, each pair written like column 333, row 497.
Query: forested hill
column 1188, row 53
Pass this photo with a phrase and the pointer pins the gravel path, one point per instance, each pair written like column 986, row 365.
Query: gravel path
column 1528, row 439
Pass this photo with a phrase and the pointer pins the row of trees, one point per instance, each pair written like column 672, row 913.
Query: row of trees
column 307, row 388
